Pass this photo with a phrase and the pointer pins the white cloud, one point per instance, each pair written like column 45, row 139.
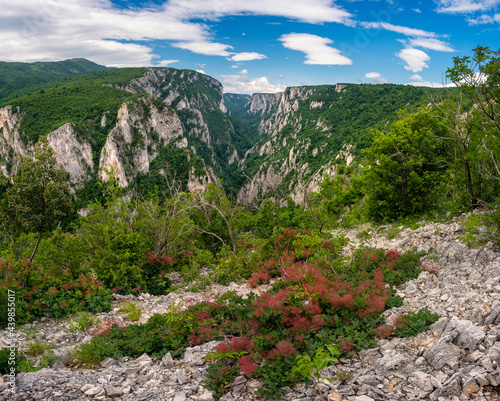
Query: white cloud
column 206, row 48
column 465, row 6
column 242, row 84
column 281, row 76
column 314, row 11
column 398, row 29
column 201, row 72
column 316, row 49
column 416, row 60
column 245, row 71
column 164, row 63
column 248, row 56
column 416, row 77
column 431, row 44
column 417, row 10
column 99, row 30
column 377, row 78
column 484, row 19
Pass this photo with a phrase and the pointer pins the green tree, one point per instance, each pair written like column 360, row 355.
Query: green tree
column 39, row 198
column 404, row 167
column 478, row 78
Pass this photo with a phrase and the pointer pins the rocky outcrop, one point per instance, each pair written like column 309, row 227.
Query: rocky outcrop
column 458, row 358
column 12, row 149
column 132, row 145
column 72, row 155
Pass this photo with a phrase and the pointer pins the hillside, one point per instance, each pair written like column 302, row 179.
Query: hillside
column 456, row 359
column 19, row 78
column 85, row 117
column 306, row 131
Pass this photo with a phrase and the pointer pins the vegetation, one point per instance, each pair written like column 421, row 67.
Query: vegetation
column 320, row 305
column 40, row 197
column 16, row 78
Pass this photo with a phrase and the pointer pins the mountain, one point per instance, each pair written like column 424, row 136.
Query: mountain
column 306, row 131
column 141, row 125
column 16, row 78
column 148, row 126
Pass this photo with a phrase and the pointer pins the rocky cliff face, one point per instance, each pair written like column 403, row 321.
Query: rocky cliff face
column 286, row 156
column 133, row 144
column 178, row 106
column 73, row 154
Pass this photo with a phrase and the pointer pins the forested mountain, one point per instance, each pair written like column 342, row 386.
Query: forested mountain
column 122, row 120
column 306, row 131
column 18, row 78
column 119, row 122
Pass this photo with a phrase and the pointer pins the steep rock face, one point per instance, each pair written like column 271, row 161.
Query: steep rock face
column 281, row 110
column 262, row 103
column 132, row 145
column 72, row 155
column 11, row 147
column 199, row 102
column 285, row 170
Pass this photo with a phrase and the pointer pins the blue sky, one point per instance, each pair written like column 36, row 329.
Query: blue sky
column 257, row 45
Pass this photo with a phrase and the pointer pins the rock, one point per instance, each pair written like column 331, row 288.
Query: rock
column 114, row 391
column 423, row 380
column 109, row 362
column 180, row 397
column 167, row 361
column 94, row 391
column 442, row 353
column 195, row 356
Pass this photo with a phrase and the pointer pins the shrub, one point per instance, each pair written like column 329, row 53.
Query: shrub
column 413, row 323
column 51, row 292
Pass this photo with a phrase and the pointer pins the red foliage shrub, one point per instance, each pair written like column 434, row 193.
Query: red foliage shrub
column 384, row 331
column 283, row 349
column 346, row 346
column 247, row 365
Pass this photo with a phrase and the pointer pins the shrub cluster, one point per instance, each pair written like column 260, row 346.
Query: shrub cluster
column 50, row 292
column 316, row 299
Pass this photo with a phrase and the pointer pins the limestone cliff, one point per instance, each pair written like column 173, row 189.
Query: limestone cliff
column 133, row 144
column 73, row 154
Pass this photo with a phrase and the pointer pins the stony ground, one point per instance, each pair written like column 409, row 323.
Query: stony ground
column 457, row 359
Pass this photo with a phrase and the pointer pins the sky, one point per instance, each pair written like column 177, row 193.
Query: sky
column 259, row 46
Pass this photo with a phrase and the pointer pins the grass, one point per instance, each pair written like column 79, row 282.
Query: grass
column 82, row 321
column 131, row 311
column 37, row 348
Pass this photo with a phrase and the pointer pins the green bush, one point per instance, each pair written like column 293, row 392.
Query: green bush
column 51, row 292
column 414, row 322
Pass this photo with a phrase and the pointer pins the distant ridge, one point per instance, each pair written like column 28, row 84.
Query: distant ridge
column 17, row 78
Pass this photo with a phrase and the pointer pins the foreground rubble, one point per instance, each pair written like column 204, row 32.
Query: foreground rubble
column 457, row 359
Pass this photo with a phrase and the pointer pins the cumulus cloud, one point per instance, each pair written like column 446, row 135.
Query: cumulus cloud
column 248, row 56
column 164, row 63
column 416, row 60
column 431, row 44
column 484, row 19
column 377, row 78
column 316, row 48
column 416, row 77
column 243, row 84
column 101, row 31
